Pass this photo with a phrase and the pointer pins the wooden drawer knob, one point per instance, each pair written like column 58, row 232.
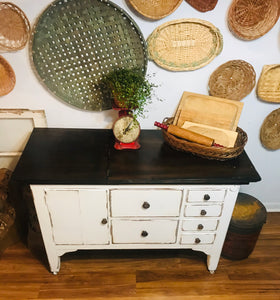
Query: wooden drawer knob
column 206, row 197
column 104, row 221
column 144, row 233
column 146, row 205
column 200, row 226
column 197, row 240
column 203, row 212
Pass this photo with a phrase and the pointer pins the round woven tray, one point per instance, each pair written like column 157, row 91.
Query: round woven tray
column 215, row 153
column 270, row 131
column 14, row 27
column 7, row 77
column 76, row 43
column 268, row 88
column 156, row 9
column 184, row 44
column 233, row 80
column 251, row 19
column 203, row 5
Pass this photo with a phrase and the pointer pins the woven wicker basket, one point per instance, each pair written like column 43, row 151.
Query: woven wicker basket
column 184, row 44
column 156, row 9
column 213, row 153
column 7, row 77
column 203, row 5
column 251, row 19
column 14, row 27
column 76, row 43
column 268, row 88
column 270, row 131
column 233, row 80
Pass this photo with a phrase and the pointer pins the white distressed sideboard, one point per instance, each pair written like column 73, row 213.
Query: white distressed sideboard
column 88, row 195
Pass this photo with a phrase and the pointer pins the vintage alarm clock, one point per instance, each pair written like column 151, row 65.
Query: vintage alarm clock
column 126, row 130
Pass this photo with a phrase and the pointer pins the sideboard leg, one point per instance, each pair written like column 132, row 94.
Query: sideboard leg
column 54, row 262
column 212, row 263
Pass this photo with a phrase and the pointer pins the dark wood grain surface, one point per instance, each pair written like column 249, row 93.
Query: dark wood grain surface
column 87, row 156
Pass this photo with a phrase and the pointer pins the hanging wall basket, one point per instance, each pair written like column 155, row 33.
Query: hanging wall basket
column 76, row 43
column 7, row 77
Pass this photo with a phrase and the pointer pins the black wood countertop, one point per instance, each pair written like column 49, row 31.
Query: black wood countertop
column 87, row 156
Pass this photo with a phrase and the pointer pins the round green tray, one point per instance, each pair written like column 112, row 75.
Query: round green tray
column 75, row 43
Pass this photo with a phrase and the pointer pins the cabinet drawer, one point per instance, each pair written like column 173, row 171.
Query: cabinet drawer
column 144, row 231
column 141, row 203
column 203, row 210
column 197, row 239
column 206, row 196
column 199, row 224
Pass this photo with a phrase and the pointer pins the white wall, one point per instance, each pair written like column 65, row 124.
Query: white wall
column 29, row 93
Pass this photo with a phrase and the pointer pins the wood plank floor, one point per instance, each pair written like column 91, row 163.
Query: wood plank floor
column 130, row 275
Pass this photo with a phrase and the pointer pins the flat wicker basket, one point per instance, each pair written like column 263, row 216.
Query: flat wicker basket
column 184, row 44
column 7, row 77
column 14, row 27
column 268, row 88
column 251, row 19
column 233, row 80
column 76, row 43
column 156, row 9
column 212, row 153
column 270, row 131
column 203, row 5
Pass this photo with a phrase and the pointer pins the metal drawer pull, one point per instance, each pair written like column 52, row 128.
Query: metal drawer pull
column 144, row 233
column 200, row 226
column 104, row 221
column 203, row 212
column 146, row 205
column 206, row 197
column 197, row 240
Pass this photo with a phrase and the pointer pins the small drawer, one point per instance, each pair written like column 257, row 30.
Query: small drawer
column 199, row 224
column 206, row 196
column 203, row 210
column 197, row 239
column 144, row 231
column 142, row 203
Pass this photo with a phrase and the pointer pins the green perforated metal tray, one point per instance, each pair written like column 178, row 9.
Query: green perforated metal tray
column 75, row 43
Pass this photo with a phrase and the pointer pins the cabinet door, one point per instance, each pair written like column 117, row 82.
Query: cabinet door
column 78, row 216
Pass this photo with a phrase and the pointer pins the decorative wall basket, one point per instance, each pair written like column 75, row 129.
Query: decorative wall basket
column 203, row 5
column 268, row 88
column 156, row 9
column 251, row 19
column 184, row 44
column 77, row 42
column 270, row 131
column 7, row 77
column 233, row 80
column 14, row 27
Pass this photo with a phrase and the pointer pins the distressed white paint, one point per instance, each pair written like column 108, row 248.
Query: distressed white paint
column 71, row 217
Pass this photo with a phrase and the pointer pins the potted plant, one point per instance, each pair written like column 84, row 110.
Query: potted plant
column 130, row 89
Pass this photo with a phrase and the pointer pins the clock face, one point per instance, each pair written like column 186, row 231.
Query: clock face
column 126, row 129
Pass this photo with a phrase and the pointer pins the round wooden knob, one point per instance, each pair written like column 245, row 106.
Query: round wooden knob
column 200, row 226
column 203, row 212
column 144, row 233
column 197, row 240
column 104, row 221
column 206, row 197
column 146, row 205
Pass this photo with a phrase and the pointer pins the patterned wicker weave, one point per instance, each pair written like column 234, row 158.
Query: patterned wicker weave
column 233, row 80
column 216, row 153
column 184, row 44
column 77, row 42
column 270, row 131
column 268, row 88
column 251, row 19
column 155, row 9
column 203, row 5
column 14, row 27
column 7, row 77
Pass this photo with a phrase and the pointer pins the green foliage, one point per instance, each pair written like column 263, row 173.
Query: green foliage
column 130, row 89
